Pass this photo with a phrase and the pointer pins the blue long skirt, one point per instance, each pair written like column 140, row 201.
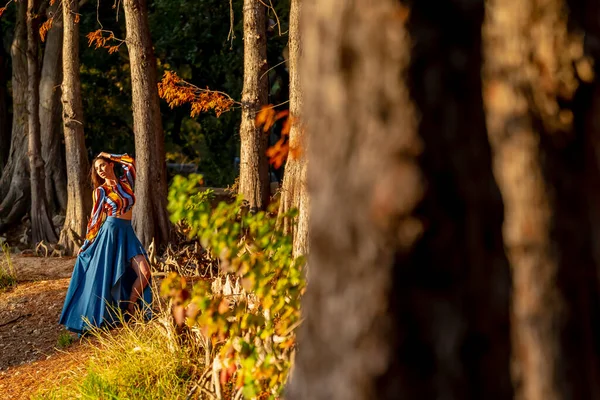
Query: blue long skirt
column 102, row 279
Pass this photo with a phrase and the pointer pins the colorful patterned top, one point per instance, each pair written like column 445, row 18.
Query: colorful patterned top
column 111, row 200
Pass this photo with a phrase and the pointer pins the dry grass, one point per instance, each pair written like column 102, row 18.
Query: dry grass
column 139, row 360
column 8, row 274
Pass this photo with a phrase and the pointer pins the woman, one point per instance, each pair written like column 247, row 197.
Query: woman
column 111, row 271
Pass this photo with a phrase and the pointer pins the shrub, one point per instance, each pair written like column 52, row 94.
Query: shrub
column 65, row 339
column 253, row 326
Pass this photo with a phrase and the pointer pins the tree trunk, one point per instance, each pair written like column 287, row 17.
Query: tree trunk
column 41, row 223
column 79, row 200
column 14, row 184
column 293, row 190
column 5, row 133
column 409, row 288
column 50, row 123
column 150, row 212
column 528, row 67
column 360, row 119
column 254, row 167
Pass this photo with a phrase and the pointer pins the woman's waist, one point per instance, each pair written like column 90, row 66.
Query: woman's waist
column 120, row 218
column 123, row 213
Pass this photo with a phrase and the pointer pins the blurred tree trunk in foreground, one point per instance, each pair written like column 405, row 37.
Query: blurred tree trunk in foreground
column 408, row 293
column 409, row 286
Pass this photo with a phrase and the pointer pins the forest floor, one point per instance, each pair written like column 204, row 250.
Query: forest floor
column 30, row 357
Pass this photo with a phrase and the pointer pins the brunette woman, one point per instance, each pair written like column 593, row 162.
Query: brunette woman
column 112, row 270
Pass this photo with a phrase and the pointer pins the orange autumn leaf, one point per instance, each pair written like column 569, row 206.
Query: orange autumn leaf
column 95, row 38
column 223, row 306
column 176, row 92
column 265, row 118
column 45, row 28
column 261, row 116
column 98, row 39
column 282, row 114
column 113, row 49
column 278, row 153
column 2, row 10
column 77, row 18
column 287, row 126
column 226, row 374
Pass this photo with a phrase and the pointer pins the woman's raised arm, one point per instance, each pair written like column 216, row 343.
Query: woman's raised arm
column 128, row 165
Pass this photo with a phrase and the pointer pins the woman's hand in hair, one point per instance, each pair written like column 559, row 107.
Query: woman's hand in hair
column 104, row 155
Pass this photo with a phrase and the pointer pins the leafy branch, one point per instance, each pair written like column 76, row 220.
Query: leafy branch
column 177, row 92
column 98, row 39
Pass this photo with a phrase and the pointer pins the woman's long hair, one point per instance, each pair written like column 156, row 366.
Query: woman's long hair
column 96, row 180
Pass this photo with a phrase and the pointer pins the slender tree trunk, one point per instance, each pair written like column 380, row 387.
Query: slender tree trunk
column 408, row 293
column 254, row 167
column 517, row 155
column 41, row 223
column 50, row 122
column 14, row 183
column 79, row 200
column 5, row 132
column 293, row 190
column 150, row 212
column 538, row 158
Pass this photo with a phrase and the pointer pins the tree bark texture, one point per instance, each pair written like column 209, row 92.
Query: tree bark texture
column 14, row 184
column 529, row 94
column 150, row 212
column 79, row 195
column 5, row 125
column 408, row 293
column 254, row 168
column 293, row 191
column 41, row 223
column 50, row 121
column 360, row 119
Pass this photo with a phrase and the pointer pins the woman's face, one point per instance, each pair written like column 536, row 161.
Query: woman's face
column 104, row 169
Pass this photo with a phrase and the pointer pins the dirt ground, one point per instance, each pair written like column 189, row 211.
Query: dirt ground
column 29, row 328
